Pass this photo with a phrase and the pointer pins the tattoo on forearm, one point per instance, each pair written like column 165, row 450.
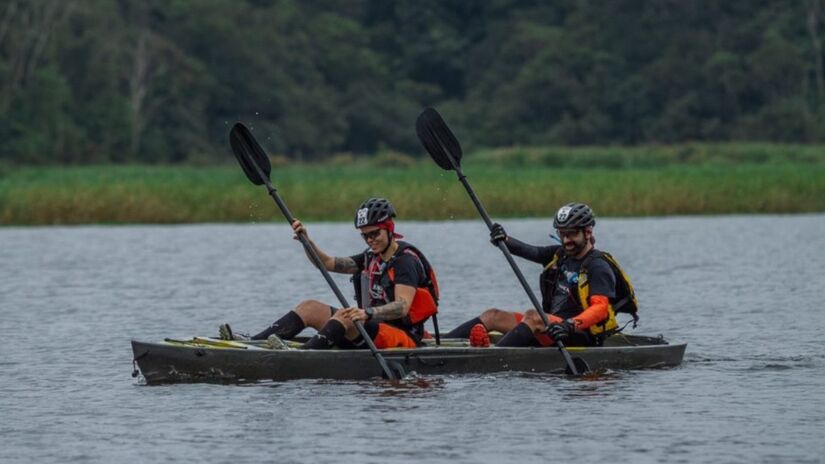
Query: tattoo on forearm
column 390, row 311
column 345, row 266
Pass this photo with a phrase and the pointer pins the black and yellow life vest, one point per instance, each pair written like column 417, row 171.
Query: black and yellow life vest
column 624, row 302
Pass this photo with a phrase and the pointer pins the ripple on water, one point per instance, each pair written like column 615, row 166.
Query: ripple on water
column 71, row 298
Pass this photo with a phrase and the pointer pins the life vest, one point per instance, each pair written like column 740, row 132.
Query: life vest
column 624, row 302
column 380, row 276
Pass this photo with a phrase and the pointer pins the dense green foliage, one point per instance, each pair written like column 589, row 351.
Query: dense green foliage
column 687, row 179
column 99, row 81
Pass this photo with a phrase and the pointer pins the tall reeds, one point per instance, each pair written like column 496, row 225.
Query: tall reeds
column 645, row 181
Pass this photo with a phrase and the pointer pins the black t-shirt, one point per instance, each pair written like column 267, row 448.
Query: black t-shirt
column 565, row 296
column 407, row 268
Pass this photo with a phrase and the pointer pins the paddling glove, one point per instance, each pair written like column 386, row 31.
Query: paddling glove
column 562, row 331
column 497, row 234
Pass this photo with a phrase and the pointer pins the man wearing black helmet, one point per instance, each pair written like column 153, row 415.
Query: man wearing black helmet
column 579, row 289
column 395, row 289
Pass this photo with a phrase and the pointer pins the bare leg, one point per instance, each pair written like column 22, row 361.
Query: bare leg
column 524, row 333
column 500, row 320
column 533, row 320
column 314, row 313
column 492, row 319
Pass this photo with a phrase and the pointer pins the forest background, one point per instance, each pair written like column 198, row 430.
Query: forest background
column 564, row 86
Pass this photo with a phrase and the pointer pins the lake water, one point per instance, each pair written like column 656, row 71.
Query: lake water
column 745, row 293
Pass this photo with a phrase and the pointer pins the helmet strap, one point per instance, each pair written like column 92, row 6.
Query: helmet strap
column 389, row 242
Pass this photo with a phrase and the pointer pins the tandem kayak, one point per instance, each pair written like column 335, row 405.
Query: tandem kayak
column 202, row 359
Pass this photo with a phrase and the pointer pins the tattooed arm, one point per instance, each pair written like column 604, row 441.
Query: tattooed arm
column 331, row 263
column 344, row 265
column 398, row 308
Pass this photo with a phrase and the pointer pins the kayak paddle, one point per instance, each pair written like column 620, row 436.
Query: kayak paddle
column 255, row 164
column 445, row 150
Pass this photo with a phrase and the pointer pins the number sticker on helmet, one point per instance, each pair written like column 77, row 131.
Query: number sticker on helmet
column 564, row 211
column 362, row 217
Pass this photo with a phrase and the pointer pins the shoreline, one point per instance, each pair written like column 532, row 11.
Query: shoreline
column 112, row 195
column 279, row 221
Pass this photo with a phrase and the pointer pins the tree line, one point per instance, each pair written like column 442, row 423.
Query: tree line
column 161, row 81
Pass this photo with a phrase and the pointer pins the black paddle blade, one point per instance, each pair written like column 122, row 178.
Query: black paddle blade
column 581, row 367
column 438, row 139
column 396, row 369
column 249, row 153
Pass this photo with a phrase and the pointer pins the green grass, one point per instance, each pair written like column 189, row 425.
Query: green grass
column 652, row 156
column 697, row 179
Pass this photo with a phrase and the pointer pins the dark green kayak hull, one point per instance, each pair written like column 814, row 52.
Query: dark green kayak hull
column 166, row 362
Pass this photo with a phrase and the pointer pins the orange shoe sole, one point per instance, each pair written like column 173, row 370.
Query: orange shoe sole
column 479, row 337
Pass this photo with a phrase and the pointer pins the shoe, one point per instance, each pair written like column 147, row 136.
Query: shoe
column 225, row 333
column 479, row 336
column 274, row 342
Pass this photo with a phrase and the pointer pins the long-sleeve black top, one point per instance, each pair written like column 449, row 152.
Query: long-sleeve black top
column 537, row 254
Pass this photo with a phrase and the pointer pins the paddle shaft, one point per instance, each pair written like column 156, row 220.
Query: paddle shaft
column 310, row 250
column 509, row 257
column 316, row 260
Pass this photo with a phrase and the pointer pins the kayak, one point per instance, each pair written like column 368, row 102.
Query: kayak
column 203, row 359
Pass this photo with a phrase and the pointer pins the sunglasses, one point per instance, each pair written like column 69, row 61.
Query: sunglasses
column 371, row 235
column 568, row 233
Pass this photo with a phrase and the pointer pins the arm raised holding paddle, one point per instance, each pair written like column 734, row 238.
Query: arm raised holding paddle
column 344, row 265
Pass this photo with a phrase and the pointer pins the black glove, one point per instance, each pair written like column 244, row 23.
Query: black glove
column 560, row 332
column 497, row 234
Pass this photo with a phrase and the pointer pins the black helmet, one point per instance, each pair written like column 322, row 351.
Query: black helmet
column 574, row 216
column 373, row 211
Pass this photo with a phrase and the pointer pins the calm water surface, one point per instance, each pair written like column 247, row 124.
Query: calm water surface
column 744, row 292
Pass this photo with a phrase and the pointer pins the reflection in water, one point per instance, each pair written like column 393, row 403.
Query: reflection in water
column 413, row 385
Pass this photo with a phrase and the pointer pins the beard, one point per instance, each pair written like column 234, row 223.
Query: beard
column 573, row 248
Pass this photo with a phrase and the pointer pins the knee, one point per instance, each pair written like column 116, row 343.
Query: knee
column 313, row 312
column 312, row 308
column 306, row 305
column 491, row 316
column 533, row 319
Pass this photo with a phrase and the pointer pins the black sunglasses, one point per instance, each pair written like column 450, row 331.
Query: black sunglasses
column 371, row 235
column 568, row 233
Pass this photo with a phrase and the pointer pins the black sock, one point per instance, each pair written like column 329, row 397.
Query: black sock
column 522, row 335
column 329, row 335
column 463, row 331
column 286, row 327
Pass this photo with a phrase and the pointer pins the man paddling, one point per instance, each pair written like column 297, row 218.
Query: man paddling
column 581, row 289
column 395, row 288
